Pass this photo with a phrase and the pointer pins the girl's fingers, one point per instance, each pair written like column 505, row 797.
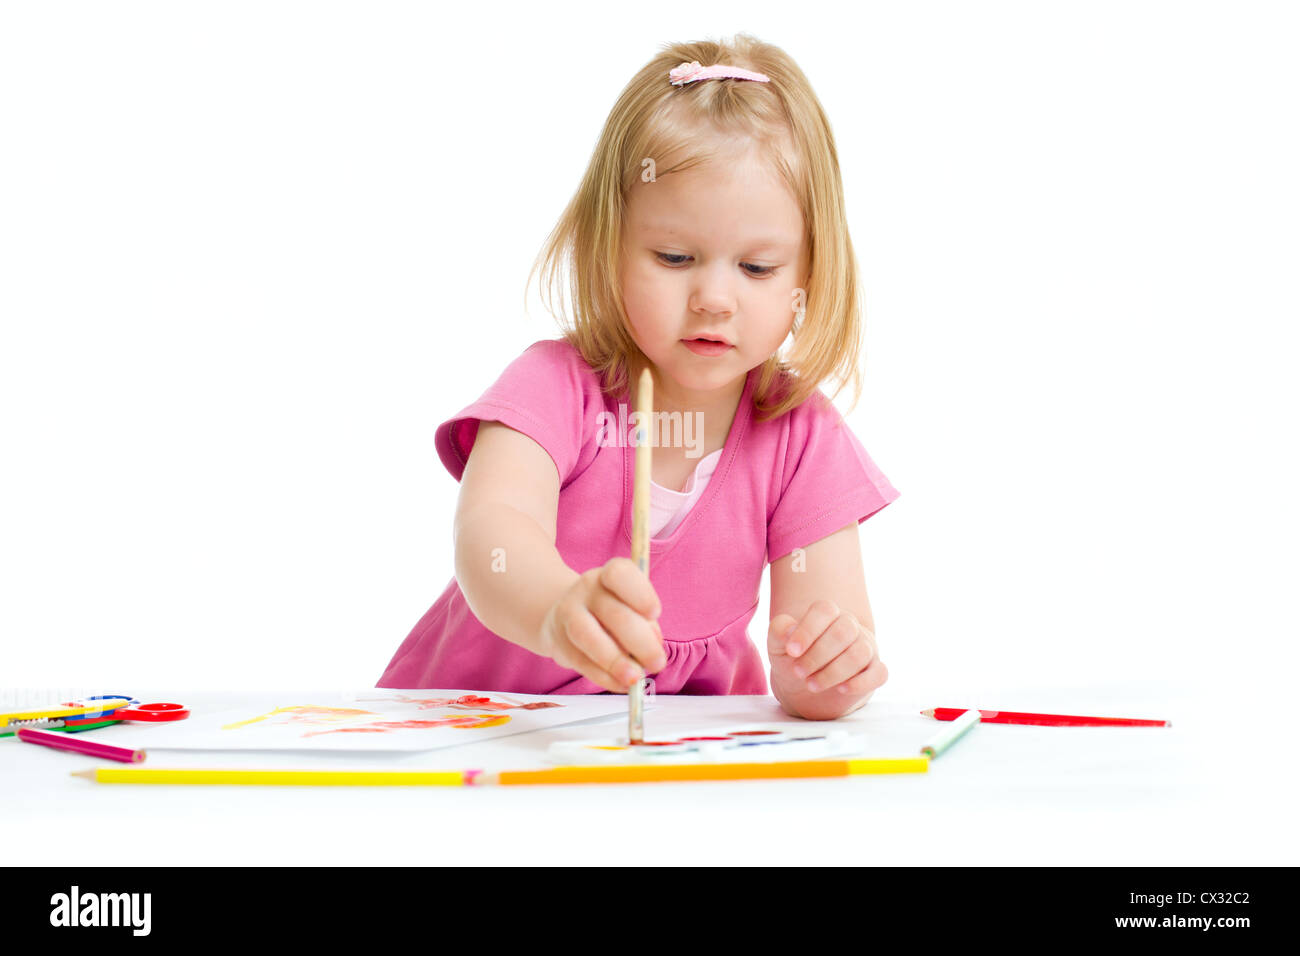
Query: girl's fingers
column 815, row 620
column 822, row 634
column 596, row 655
column 868, row 681
column 852, row 661
column 597, row 676
column 622, row 578
column 575, row 661
column 776, row 629
column 842, row 635
column 635, row 636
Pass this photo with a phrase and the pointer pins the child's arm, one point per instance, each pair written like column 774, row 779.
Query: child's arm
column 822, row 593
column 516, row 582
column 506, row 562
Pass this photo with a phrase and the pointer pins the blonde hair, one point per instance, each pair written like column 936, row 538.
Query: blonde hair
column 653, row 118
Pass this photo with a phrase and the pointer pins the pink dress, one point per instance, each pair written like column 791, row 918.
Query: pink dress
column 778, row 485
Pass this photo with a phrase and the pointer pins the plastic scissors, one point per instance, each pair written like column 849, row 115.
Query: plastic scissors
column 90, row 712
column 128, row 709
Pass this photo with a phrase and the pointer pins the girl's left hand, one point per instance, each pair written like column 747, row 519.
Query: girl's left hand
column 828, row 655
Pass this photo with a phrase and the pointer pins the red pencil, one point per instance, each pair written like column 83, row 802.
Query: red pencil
column 1042, row 720
column 91, row 749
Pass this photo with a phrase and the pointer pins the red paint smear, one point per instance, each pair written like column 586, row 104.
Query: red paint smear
column 471, row 702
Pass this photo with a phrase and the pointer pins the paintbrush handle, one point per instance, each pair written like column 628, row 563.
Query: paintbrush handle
column 641, row 533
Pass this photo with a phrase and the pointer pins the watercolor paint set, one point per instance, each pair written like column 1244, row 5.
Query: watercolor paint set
column 737, row 744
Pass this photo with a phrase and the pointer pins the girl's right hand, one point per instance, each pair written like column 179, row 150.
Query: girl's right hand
column 605, row 618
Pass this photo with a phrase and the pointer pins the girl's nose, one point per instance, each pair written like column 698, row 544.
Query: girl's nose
column 714, row 291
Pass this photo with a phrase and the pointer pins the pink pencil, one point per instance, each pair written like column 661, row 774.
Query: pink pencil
column 90, row 749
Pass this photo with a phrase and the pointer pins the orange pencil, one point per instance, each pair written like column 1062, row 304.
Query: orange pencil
column 646, row 773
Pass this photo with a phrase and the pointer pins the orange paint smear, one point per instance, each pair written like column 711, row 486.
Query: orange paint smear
column 467, row 722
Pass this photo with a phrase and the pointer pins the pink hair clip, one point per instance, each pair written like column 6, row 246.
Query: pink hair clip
column 690, row 72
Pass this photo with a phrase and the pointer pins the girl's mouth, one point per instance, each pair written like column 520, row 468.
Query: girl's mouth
column 706, row 346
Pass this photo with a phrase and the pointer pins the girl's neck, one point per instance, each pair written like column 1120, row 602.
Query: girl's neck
column 718, row 408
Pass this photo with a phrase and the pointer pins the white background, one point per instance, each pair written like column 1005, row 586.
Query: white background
column 251, row 254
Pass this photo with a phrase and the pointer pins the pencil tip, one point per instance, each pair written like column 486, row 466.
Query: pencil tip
column 928, row 713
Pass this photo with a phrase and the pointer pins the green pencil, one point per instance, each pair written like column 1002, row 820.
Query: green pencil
column 950, row 734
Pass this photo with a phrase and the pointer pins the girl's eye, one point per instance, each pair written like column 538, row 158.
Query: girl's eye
column 676, row 259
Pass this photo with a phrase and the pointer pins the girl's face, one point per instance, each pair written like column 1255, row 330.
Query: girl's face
column 716, row 250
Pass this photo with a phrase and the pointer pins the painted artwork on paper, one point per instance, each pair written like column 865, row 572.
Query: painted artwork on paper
column 357, row 721
column 354, row 720
column 375, row 720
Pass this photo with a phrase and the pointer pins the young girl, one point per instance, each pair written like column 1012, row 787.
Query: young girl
column 709, row 227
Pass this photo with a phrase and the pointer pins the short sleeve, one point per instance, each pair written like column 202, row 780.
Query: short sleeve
column 828, row 480
column 543, row 394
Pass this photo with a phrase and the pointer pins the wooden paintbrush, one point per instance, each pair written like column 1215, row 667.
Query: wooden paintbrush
column 641, row 534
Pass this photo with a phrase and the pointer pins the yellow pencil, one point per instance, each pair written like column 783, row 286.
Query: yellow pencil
column 637, row 773
column 316, row 778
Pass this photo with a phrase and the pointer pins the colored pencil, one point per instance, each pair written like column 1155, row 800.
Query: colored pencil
column 88, row 747
column 59, row 710
column 641, row 532
column 79, row 727
column 1042, row 720
column 645, row 773
column 641, row 773
column 54, row 726
column 950, row 735
column 370, row 778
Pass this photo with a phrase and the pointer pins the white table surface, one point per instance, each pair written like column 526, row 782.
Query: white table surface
column 1195, row 794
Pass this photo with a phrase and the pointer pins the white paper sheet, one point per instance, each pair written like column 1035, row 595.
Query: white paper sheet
column 377, row 719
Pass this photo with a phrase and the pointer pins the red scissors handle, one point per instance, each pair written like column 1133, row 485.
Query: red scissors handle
column 152, row 712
